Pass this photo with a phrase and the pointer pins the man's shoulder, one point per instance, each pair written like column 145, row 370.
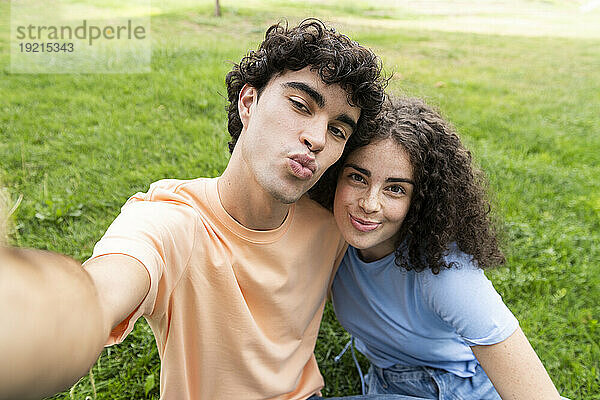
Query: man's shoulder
column 316, row 211
column 170, row 202
column 310, row 216
column 186, row 192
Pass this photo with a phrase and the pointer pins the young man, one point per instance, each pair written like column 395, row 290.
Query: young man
column 231, row 273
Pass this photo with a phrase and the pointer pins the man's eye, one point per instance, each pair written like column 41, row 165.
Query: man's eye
column 338, row 132
column 300, row 106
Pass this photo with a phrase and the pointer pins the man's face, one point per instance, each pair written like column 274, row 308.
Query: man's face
column 293, row 132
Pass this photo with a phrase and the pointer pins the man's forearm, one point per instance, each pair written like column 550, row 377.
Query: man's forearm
column 52, row 326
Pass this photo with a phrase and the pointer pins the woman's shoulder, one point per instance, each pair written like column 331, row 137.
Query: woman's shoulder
column 455, row 286
column 461, row 266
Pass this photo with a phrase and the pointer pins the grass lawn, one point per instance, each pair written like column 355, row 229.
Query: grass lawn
column 520, row 81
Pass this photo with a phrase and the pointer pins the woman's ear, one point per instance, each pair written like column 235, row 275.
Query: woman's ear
column 247, row 98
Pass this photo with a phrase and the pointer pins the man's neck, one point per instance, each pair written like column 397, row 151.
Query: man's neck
column 248, row 203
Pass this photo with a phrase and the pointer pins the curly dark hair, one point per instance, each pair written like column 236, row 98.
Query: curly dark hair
column 449, row 203
column 335, row 57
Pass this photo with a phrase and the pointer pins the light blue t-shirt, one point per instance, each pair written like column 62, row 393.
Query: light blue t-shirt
column 418, row 318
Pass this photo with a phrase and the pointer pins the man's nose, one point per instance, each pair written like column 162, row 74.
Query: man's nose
column 315, row 136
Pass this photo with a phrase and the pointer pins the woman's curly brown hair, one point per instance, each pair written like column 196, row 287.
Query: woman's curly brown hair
column 335, row 57
column 449, row 203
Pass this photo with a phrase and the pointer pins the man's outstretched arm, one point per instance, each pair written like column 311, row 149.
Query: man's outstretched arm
column 56, row 316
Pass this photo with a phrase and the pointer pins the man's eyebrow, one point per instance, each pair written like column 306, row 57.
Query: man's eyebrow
column 346, row 119
column 368, row 174
column 318, row 98
column 315, row 95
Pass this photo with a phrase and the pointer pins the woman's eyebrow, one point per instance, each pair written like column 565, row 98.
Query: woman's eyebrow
column 368, row 174
column 400, row 180
column 359, row 169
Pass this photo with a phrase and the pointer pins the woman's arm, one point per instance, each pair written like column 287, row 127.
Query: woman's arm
column 515, row 369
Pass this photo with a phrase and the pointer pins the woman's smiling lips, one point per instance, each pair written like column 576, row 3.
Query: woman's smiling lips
column 362, row 225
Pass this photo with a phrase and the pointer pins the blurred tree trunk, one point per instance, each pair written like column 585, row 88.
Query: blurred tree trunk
column 217, row 9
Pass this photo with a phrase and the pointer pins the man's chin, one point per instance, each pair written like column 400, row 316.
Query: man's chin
column 290, row 190
column 287, row 198
column 291, row 195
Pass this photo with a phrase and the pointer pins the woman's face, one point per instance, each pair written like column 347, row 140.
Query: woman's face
column 372, row 197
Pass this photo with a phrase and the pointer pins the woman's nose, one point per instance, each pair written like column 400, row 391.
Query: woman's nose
column 370, row 202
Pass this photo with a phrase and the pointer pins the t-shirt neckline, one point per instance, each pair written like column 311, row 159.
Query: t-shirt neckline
column 371, row 265
column 251, row 235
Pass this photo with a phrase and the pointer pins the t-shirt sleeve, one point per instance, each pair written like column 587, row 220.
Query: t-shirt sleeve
column 464, row 298
column 341, row 252
column 158, row 234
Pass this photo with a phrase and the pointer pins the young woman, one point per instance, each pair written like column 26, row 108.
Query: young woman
column 411, row 288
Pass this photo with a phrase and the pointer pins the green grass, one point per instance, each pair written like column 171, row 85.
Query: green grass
column 77, row 146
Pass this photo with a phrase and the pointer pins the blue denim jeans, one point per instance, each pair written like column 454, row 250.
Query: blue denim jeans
column 431, row 383
column 371, row 397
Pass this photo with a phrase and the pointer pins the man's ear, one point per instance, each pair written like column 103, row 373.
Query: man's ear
column 247, row 98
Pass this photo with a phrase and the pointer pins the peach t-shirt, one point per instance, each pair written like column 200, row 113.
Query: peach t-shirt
column 235, row 312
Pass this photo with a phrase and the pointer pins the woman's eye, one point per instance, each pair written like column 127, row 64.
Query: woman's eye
column 356, row 177
column 397, row 189
column 300, row 106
